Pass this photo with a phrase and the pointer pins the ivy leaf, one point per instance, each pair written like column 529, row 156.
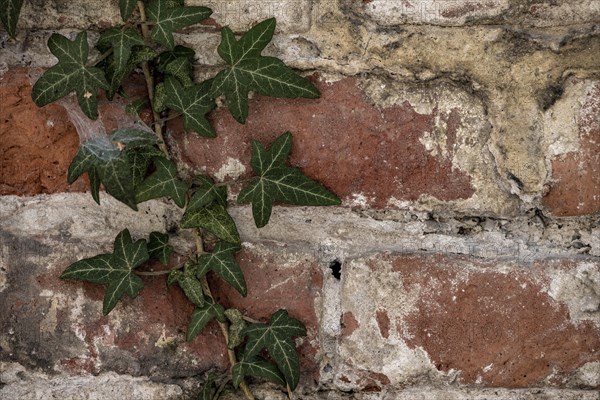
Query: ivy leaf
column 193, row 102
column 9, row 15
column 162, row 183
column 208, row 390
column 178, row 51
column 223, row 262
column 168, row 19
column 140, row 159
column 122, row 42
column 258, row 367
column 213, row 218
column 107, row 161
column 181, row 68
column 249, row 70
column 113, row 270
column 127, row 7
column 277, row 182
column 70, row 74
column 206, row 193
column 159, row 247
column 191, row 286
column 236, row 327
column 276, row 337
column 202, row 316
column 116, row 75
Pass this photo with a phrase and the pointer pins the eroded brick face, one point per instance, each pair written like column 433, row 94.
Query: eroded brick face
column 499, row 329
column 575, row 185
column 367, row 156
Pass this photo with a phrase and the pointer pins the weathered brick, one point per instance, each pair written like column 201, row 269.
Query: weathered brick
column 467, row 12
column 292, row 16
column 386, row 146
column 489, row 323
column 280, row 277
column 573, row 126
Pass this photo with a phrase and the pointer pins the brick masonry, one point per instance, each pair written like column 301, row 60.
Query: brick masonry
column 463, row 139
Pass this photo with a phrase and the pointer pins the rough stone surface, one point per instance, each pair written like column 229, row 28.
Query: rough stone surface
column 449, row 318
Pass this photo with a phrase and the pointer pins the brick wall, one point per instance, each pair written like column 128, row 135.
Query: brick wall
column 463, row 138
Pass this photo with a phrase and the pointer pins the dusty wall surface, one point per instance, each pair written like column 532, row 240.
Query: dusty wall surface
column 463, row 138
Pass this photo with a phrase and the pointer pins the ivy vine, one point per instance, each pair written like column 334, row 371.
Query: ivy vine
column 135, row 165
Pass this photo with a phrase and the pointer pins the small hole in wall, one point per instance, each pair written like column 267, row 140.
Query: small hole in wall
column 336, row 269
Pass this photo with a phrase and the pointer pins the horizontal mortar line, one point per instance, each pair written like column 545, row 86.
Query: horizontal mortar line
column 323, row 230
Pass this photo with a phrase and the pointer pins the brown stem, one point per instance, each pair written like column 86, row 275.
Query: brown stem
column 150, row 82
column 223, row 325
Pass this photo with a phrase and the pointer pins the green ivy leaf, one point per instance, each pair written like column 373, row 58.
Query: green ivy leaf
column 223, row 262
column 258, row 367
column 214, row 218
column 166, row 57
column 168, row 18
column 181, row 68
column 202, row 316
column 276, row 338
column 135, row 107
column 236, row 327
column 70, row 74
column 159, row 247
column 193, row 102
column 249, row 70
column 107, row 161
column 191, row 286
column 140, row 159
column 127, row 7
column 277, row 182
column 9, row 15
column 208, row 390
column 162, row 183
column 119, row 66
column 206, row 193
column 113, row 270
column 160, row 98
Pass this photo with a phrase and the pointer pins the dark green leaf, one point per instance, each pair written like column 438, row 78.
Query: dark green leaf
column 70, row 74
column 116, row 75
column 181, row 68
column 135, row 107
column 134, row 138
column 276, row 337
column 202, row 316
column 113, row 270
column 249, row 70
column 160, row 98
column 223, row 262
column 236, row 327
column 214, row 218
column 277, row 182
column 192, row 289
column 194, row 103
column 119, row 65
column 174, row 277
column 109, row 165
column 206, row 193
column 159, row 247
column 162, row 183
column 140, row 159
column 208, row 390
column 9, row 15
column 258, row 367
column 168, row 19
column 167, row 57
column 127, row 7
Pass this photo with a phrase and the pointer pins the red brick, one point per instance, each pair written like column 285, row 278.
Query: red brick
column 279, row 278
column 498, row 329
column 343, row 141
column 575, row 186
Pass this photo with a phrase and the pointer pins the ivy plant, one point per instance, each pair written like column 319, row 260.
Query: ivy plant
column 135, row 165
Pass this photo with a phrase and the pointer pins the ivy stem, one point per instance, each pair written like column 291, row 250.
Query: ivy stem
column 150, row 82
column 101, row 57
column 223, row 325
